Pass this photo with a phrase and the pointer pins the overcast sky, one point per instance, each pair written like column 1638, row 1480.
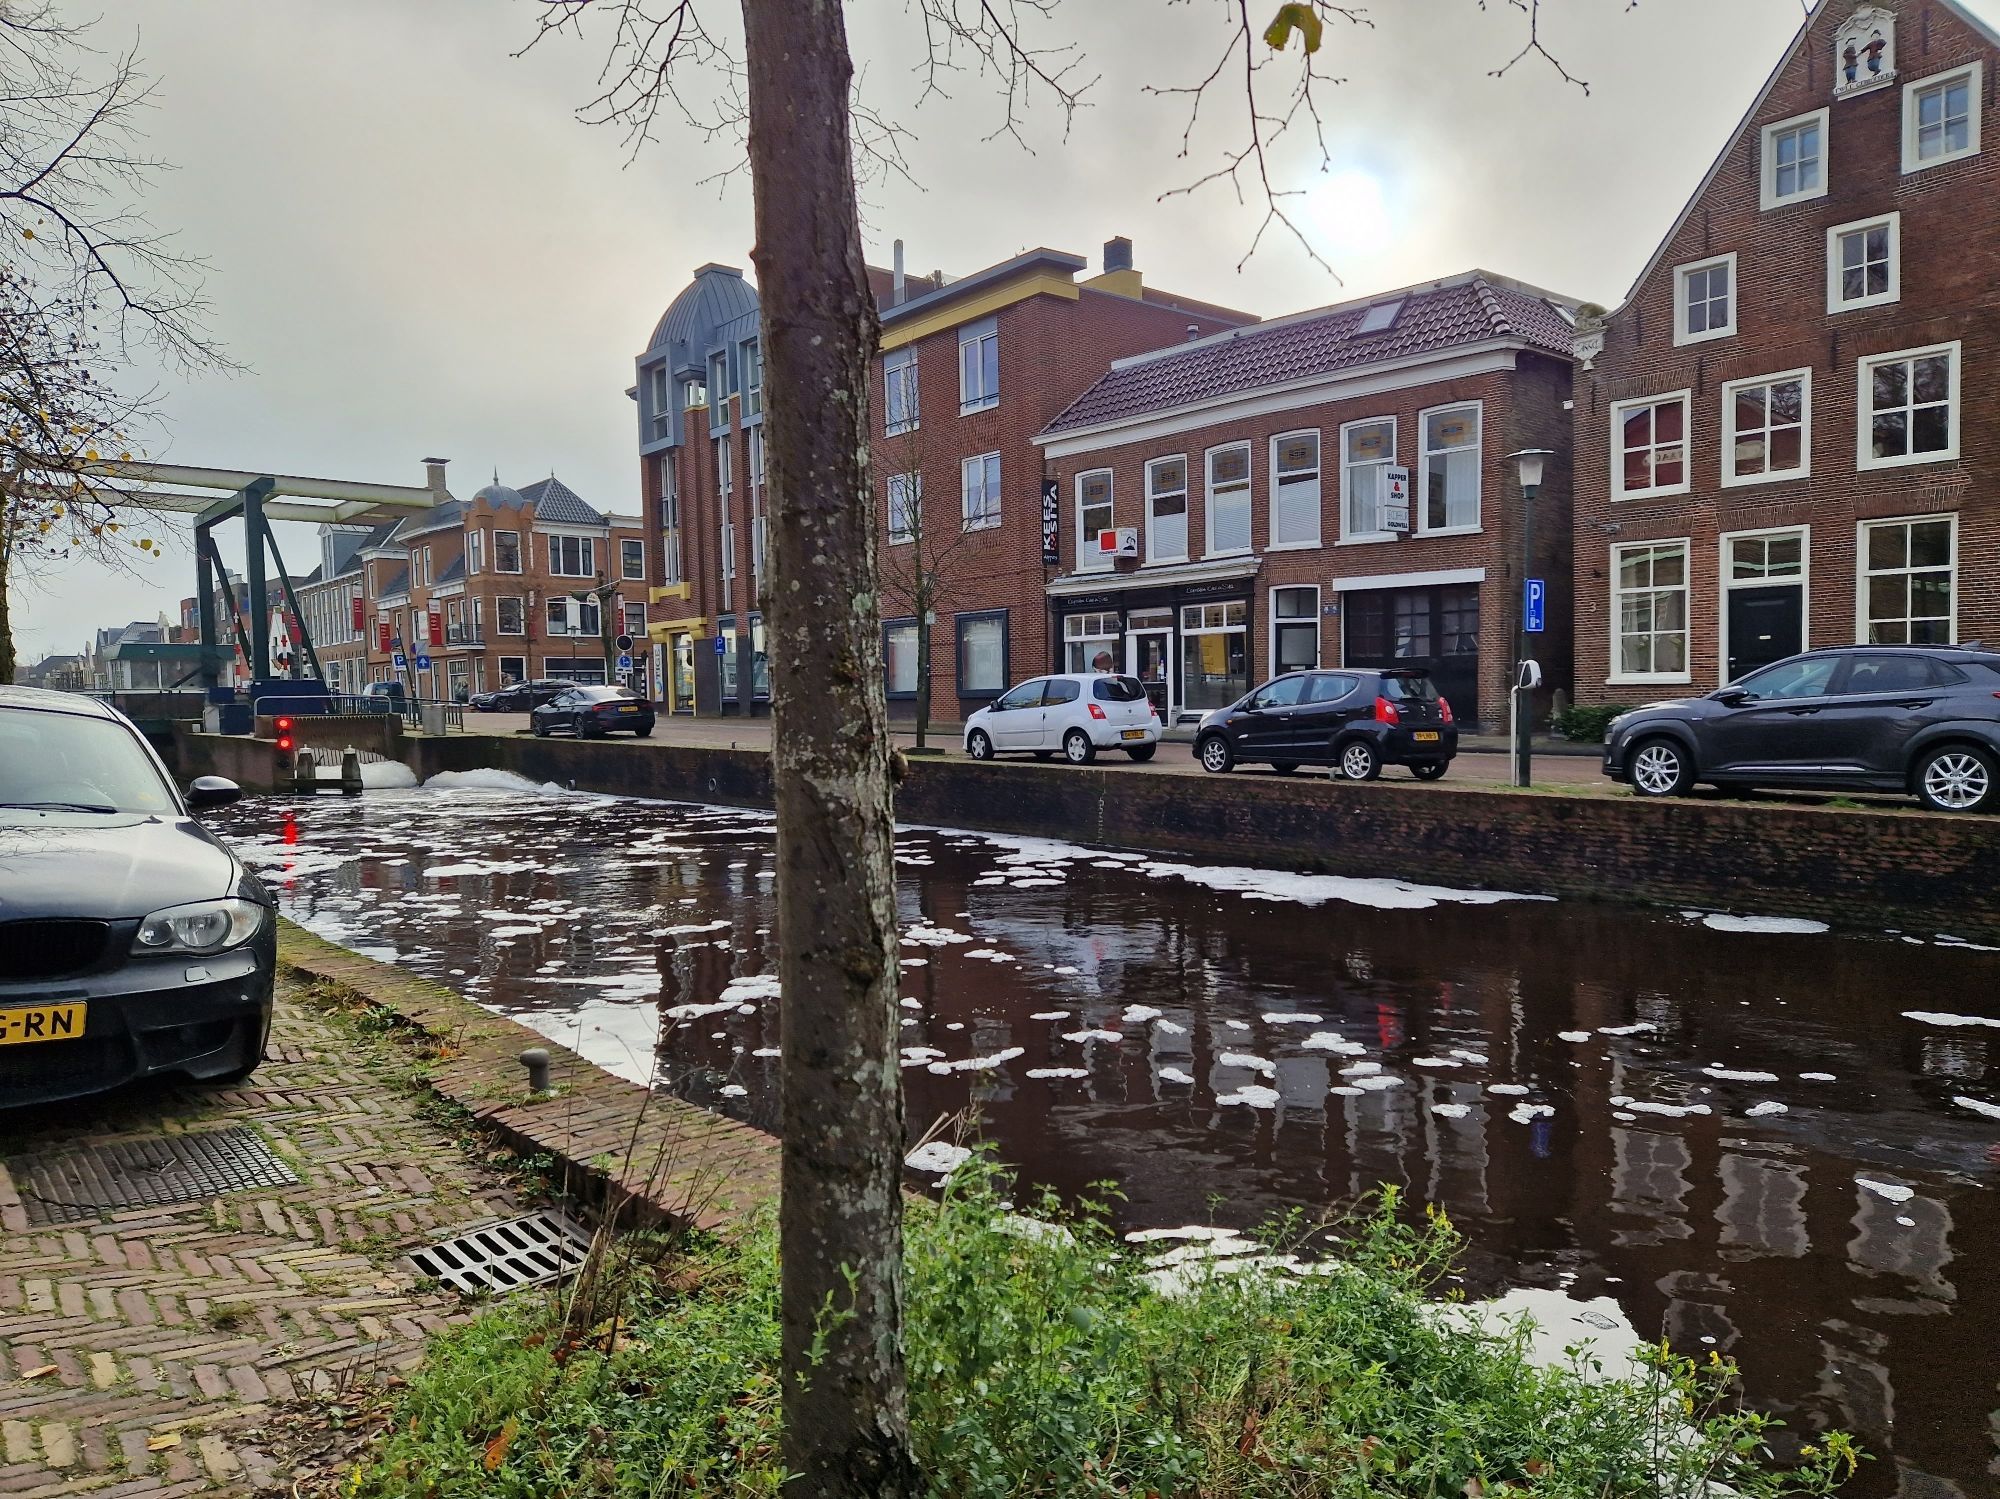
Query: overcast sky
column 417, row 250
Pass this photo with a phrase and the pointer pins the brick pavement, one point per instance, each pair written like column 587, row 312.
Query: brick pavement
column 148, row 1352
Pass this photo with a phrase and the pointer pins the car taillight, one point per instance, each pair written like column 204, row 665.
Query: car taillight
column 1385, row 711
column 1096, row 712
column 1444, row 709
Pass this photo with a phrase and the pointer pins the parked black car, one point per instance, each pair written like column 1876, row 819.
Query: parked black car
column 520, row 697
column 1354, row 720
column 132, row 941
column 588, row 712
column 1920, row 720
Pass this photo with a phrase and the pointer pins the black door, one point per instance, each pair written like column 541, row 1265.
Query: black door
column 1765, row 625
column 1434, row 628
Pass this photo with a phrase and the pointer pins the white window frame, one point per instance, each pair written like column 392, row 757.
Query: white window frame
column 1348, row 537
column 751, row 356
column 1681, row 275
column 625, row 572
column 515, row 570
column 1835, row 302
column 1725, row 457
column 1767, row 191
column 1319, row 491
column 1153, row 553
column 978, row 334
column 1618, row 678
column 1087, row 556
column 500, row 615
column 906, row 501
column 1974, row 74
column 899, row 373
column 1618, row 410
column 1421, row 520
column 988, row 515
column 1319, row 644
column 1249, row 490
column 1864, row 406
column 586, row 554
column 1725, row 544
column 1862, row 572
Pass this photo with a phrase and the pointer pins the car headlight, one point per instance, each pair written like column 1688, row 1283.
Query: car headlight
column 205, row 926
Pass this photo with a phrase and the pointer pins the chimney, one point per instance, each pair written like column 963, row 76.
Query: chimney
column 897, row 299
column 1193, row 332
column 434, row 474
column 1118, row 254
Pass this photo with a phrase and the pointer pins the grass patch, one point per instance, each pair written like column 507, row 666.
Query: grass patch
column 1047, row 1364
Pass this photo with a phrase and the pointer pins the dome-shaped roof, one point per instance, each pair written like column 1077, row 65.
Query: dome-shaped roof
column 717, row 294
column 500, row 497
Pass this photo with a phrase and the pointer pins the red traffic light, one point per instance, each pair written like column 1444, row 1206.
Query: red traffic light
column 284, row 726
column 285, row 743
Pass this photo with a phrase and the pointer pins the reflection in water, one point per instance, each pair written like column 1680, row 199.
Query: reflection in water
column 1739, row 1135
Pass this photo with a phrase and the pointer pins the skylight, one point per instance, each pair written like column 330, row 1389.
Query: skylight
column 1381, row 317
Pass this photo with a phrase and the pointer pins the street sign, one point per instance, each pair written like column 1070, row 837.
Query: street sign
column 1396, row 499
column 1051, row 523
column 721, row 645
column 1535, row 606
column 624, row 643
column 423, row 663
column 400, row 662
column 624, row 663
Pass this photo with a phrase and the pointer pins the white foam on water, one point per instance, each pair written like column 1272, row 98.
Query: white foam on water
column 1332, row 1041
column 1255, row 1095
column 1280, row 1017
column 1669, row 1110
column 1361, row 1069
column 1636, row 1028
column 1175, row 1075
column 1770, row 1106
column 1193, row 1232
column 986, row 1063
column 1058, row 1072
column 1253, row 1064
column 1320, row 889
column 1572, row 1035
column 1936, row 1017
column 486, row 779
column 1978, row 1105
column 1140, row 1014
column 1342, row 1090
column 1050, row 1015
column 1170, row 1028
column 1452, row 1110
column 696, row 1011
column 1796, row 926
column 1816, row 1077
column 765, row 1051
column 1729, row 1075
column 1510, row 1089
column 1887, row 1191
column 1093, row 1035
column 754, row 987
column 1477, row 1059
column 733, row 1090
column 1379, row 1082
column 1528, row 1113
column 1437, row 1062
column 690, row 931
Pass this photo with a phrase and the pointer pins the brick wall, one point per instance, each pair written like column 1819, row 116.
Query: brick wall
column 1867, row 869
column 1949, row 257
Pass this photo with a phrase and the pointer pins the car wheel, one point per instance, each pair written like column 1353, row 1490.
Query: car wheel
column 1142, row 752
column 1216, row 755
column 1659, row 767
column 979, row 745
column 1077, row 748
column 1955, row 778
column 1359, row 761
column 1429, row 770
column 644, row 733
column 1284, row 767
column 540, row 730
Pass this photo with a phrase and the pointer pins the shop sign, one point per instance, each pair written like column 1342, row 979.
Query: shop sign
column 1051, row 524
column 1396, row 499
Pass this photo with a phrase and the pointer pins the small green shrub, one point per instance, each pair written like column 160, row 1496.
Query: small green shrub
column 1587, row 725
column 1045, row 1364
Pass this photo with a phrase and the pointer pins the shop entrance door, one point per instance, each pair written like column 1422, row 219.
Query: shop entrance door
column 1149, row 656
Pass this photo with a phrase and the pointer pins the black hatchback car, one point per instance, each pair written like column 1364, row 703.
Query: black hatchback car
column 520, row 697
column 1355, row 720
column 132, row 941
column 1920, row 720
column 589, row 712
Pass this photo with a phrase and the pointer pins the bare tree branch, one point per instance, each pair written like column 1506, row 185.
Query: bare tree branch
column 994, row 38
column 1532, row 9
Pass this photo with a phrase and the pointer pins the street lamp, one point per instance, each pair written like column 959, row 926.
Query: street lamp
column 1527, row 672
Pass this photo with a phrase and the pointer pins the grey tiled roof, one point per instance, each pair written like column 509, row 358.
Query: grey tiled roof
column 454, row 570
column 1435, row 319
column 399, row 582
column 555, row 501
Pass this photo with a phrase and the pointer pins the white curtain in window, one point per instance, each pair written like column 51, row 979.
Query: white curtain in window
column 981, row 659
column 902, row 658
column 1295, row 507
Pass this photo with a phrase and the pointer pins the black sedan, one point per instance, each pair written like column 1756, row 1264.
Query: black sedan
column 520, row 697
column 1355, row 720
column 1923, row 721
column 132, row 942
column 590, row 712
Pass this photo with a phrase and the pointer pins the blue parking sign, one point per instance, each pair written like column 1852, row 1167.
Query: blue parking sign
column 1535, row 609
column 400, row 662
column 722, row 645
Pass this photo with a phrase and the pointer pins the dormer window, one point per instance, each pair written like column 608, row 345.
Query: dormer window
column 1705, row 300
column 1794, row 160
column 1381, row 317
column 1941, row 118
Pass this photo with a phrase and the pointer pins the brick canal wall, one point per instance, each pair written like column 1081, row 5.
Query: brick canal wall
column 1911, row 870
column 1875, row 869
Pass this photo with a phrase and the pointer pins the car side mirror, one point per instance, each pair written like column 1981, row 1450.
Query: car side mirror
column 212, row 791
column 1734, row 697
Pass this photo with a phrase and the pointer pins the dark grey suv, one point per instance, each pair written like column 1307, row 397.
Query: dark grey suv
column 1924, row 721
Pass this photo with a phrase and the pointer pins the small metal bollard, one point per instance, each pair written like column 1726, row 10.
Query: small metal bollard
column 305, row 773
column 536, row 1060
column 350, row 772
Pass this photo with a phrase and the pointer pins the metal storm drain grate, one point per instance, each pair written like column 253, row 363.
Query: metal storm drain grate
column 70, row 1186
column 506, row 1256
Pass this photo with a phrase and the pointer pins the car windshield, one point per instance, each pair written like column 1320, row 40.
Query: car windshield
column 1399, row 688
column 71, row 761
column 1117, row 690
column 1809, row 677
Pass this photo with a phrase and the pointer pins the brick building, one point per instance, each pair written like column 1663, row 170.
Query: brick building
column 971, row 369
column 1252, row 474
column 484, row 589
column 1782, row 436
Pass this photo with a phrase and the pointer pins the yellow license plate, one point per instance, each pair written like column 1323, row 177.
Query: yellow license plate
column 629, row 708
column 1135, row 733
column 41, row 1023
column 1425, row 736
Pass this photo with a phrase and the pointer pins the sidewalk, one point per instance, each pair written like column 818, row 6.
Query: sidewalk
column 152, row 1351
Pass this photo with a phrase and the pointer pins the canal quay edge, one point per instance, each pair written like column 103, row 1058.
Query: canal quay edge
column 614, row 1144
column 1866, row 869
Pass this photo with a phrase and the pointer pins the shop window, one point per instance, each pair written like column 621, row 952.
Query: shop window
column 513, row 669
column 1087, row 638
column 982, row 653
column 1215, row 655
column 1458, row 620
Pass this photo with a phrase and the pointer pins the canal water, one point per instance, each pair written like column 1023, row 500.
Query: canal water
column 1759, row 1137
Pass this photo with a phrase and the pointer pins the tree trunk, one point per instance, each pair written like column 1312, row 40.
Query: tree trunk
column 8, row 666
column 846, row 1416
column 923, row 665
